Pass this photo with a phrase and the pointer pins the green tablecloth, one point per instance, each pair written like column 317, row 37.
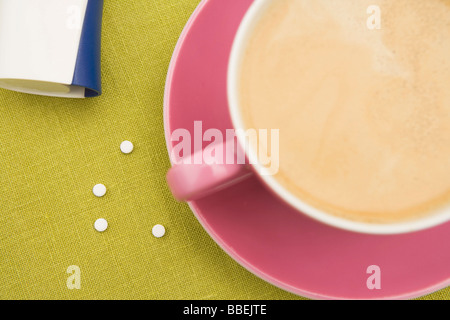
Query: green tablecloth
column 53, row 151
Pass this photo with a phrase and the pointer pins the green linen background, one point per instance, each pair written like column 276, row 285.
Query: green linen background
column 53, row 151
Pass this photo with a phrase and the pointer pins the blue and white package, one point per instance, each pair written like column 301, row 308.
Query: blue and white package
column 51, row 47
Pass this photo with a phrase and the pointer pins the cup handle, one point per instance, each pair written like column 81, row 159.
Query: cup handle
column 189, row 180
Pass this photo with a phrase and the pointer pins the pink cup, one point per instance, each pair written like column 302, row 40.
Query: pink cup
column 192, row 179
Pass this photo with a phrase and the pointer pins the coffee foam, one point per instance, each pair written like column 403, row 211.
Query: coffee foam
column 364, row 115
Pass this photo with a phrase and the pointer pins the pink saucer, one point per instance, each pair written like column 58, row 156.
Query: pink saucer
column 264, row 235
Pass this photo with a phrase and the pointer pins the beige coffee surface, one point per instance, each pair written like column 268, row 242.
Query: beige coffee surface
column 364, row 114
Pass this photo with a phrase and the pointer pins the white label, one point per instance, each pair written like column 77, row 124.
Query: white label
column 39, row 40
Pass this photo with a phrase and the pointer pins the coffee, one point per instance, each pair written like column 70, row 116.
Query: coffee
column 363, row 113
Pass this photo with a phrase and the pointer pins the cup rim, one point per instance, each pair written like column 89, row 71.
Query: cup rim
column 251, row 18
